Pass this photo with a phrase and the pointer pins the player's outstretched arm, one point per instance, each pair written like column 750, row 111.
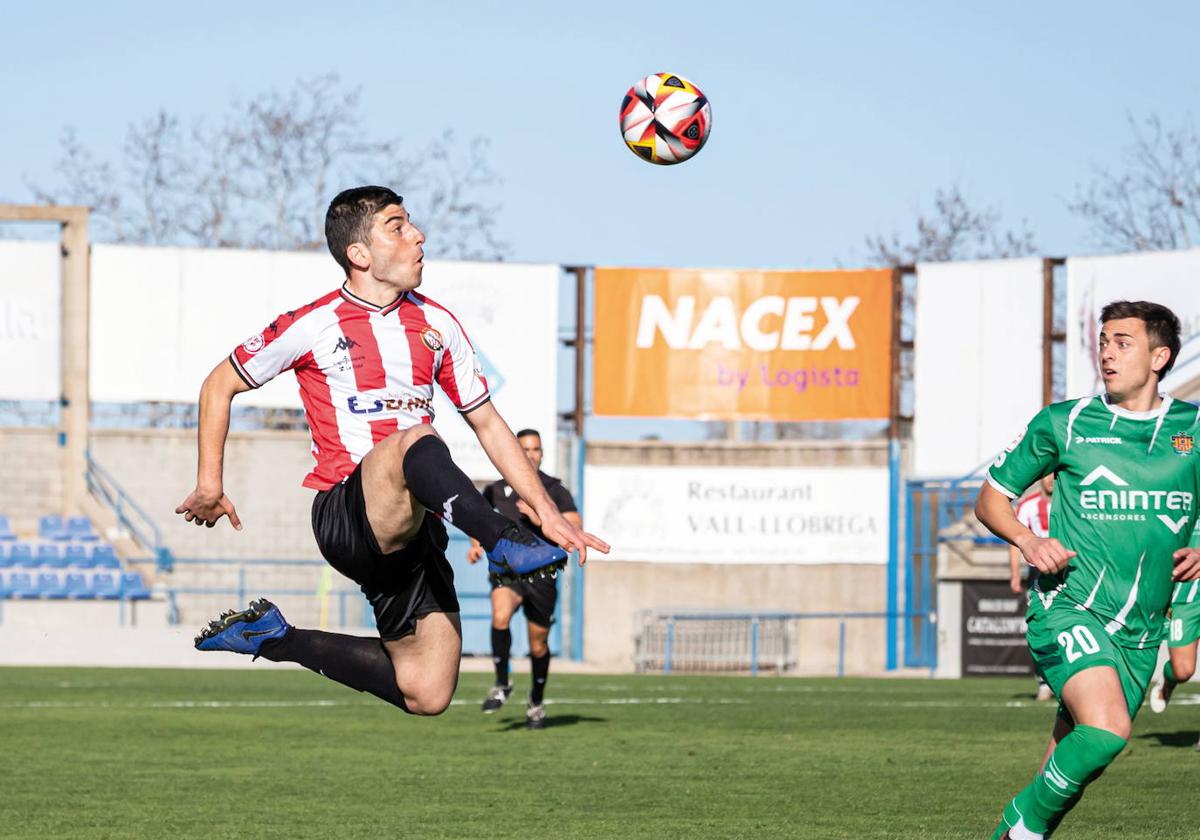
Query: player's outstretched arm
column 506, row 454
column 995, row 511
column 208, row 502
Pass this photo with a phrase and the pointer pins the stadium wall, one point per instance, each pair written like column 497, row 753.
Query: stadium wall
column 616, row 594
column 263, row 471
column 30, row 488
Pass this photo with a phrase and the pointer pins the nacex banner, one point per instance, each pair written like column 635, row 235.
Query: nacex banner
column 743, row 345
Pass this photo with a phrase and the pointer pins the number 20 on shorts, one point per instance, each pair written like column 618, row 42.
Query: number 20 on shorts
column 1078, row 635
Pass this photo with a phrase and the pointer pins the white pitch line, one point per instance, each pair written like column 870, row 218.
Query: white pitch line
column 287, row 704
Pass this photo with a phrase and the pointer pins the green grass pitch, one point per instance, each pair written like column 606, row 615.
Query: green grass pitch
column 110, row 753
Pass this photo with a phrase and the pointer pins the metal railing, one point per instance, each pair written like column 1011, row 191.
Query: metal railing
column 749, row 642
column 129, row 513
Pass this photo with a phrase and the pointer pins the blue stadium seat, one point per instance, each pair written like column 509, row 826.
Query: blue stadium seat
column 79, row 587
column 50, row 585
column 133, row 587
column 20, row 585
column 6, row 532
column 48, row 554
column 105, row 586
column 81, row 557
column 50, row 527
column 80, row 528
column 103, row 557
column 21, row 555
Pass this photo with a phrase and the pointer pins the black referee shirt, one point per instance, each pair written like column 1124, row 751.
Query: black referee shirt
column 503, row 499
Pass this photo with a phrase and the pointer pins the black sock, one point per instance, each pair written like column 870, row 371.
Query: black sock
column 359, row 662
column 437, row 483
column 501, row 645
column 540, row 667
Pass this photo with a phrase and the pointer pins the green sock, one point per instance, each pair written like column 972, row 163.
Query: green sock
column 1014, row 811
column 1169, row 673
column 1079, row 757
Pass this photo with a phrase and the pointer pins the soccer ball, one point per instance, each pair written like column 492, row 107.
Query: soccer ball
column 665, row 119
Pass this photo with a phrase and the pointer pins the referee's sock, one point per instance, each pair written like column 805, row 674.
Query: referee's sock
column 540, row 670
column 437, row 483
column 501, row 645
column 359, row 662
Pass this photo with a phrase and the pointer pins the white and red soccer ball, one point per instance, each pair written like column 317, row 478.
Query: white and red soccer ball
column 665, row 118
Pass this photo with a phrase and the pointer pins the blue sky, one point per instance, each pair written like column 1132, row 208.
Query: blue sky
column 831, row 121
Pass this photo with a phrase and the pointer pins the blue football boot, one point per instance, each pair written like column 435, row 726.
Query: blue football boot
column 521, row 556
column 245, row 631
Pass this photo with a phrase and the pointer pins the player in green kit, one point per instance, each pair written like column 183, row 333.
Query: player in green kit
column 1183, row 633
column 1127, row 482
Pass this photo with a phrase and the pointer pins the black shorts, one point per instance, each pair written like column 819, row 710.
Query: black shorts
column 401, row 586
column 538, row 598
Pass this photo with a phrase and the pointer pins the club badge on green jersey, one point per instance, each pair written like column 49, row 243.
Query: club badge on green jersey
column 1183, row 443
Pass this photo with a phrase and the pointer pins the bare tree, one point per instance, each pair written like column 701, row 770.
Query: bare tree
column 1154, row 203
column 262, row 175
column 954, row 230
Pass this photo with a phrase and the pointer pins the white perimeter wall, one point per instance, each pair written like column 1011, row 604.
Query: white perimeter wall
column 978, row 361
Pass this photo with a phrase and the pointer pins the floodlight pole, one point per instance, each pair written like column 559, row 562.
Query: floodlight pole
column 76, row 292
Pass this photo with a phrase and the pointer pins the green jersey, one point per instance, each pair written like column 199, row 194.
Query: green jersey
column 1126, row 485
column 1189, row 592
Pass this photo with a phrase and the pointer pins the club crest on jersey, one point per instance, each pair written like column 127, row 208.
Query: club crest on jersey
column 1183, row 443
column 432, row 339
column 253, row 344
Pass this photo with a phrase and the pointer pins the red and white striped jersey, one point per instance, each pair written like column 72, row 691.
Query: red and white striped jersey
column 364, row 371
column 1034, row 513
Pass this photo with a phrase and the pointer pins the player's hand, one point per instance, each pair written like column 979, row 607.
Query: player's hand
column 1047, row 555
column 205, row 508
column 474, row 554
column 1014, row 583
column 558, row 529
column 1187, row 564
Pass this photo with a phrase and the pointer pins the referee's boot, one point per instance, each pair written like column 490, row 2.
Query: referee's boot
column 496, row 697
column 244, row 631
column 522, row 556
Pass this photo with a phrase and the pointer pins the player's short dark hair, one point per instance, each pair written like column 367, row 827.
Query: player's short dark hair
column 348, row 218
column 1162, row 325
column 528, row 432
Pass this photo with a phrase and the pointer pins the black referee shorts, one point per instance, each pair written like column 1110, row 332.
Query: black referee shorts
column 402, row 586
column 538, row 598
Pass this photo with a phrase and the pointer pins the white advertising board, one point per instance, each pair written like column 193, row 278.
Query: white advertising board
column 30, row 320
column 1171, row 278
column 739, row 515
column 977, row 371
column 163, row 317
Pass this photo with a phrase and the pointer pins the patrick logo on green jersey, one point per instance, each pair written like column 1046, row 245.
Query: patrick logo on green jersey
column 1127, row 505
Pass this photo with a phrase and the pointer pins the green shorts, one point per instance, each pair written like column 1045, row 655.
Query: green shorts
column 1183, row 628
column 1065, row 640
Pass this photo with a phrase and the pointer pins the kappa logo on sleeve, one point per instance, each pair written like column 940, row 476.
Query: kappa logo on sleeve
column 254, row 343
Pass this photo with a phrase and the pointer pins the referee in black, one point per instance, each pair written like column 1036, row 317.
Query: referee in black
column 537, row 599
